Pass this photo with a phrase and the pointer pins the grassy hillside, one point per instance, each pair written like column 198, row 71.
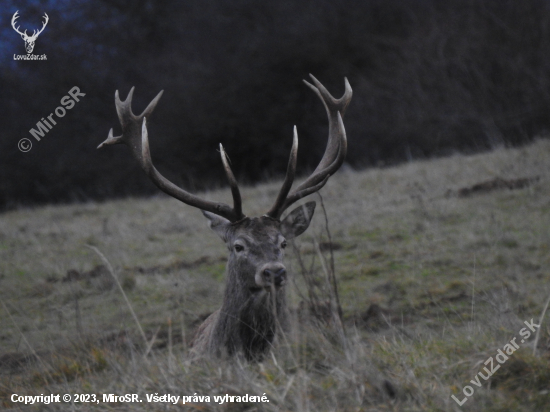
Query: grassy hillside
column 439, row 264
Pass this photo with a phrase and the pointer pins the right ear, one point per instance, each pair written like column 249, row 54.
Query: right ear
column 218, row 224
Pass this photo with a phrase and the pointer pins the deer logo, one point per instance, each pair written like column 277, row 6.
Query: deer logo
column 29, row 40
column 254, row 307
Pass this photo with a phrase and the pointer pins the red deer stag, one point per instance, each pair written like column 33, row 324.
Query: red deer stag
column 254, row 304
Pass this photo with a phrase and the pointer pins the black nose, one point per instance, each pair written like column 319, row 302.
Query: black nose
column 277, row 276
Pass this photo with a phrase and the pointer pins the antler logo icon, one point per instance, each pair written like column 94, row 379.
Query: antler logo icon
column 29, row 40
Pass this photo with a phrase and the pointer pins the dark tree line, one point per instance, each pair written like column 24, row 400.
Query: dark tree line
column 429, row 78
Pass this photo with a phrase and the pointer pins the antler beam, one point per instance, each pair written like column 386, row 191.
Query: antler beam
column 13, row 23
column 44, row 24
column 334, row 155
column 135, row 136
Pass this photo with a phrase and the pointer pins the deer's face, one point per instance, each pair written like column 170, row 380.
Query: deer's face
column 256, row 249
column 29, row 42
column 256, row 246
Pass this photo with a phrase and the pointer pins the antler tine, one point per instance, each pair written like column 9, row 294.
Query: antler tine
column 124, row 108
column 135, row 136
column 14, row 22
column 332, row 106
column 131, row 124
column 317, row 180
column 337, row 154
column 44, row 24
column 336, row 149
column 289, row 178
column 237, row 201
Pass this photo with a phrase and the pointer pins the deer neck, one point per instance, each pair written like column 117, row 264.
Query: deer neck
column 249, row 320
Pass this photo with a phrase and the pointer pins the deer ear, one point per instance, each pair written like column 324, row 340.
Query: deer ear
column 297, row 221
column 218, row 224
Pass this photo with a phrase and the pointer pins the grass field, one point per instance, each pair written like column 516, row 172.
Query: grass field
column 439, row 263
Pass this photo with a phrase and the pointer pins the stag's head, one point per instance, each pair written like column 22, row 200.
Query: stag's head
column 256, row 247
column 29, row 40
column 255, row 268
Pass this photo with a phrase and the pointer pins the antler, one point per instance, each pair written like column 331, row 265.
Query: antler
column 13, row 19
column 135, row 136
column 34, row 33
column 44, row 23
column 334, row 155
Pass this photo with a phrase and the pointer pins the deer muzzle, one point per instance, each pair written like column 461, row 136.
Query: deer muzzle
column 272, row 274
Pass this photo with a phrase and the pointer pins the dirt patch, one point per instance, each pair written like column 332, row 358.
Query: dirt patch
column 497, row 183
column 11, row 362
column 327, row 246
column 375, row 318
column 180, row 264
column 74, row 275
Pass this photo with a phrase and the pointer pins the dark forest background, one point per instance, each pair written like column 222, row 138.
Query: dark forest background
column 430, row 78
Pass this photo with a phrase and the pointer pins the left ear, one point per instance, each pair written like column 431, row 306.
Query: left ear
column 297, row 221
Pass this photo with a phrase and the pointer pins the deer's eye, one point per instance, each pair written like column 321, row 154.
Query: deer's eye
column 283, row 244
column 238, row 248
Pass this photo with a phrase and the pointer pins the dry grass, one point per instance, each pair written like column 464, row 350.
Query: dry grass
column 431, row 285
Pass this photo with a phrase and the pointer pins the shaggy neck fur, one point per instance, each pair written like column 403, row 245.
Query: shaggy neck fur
column 250, row 316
